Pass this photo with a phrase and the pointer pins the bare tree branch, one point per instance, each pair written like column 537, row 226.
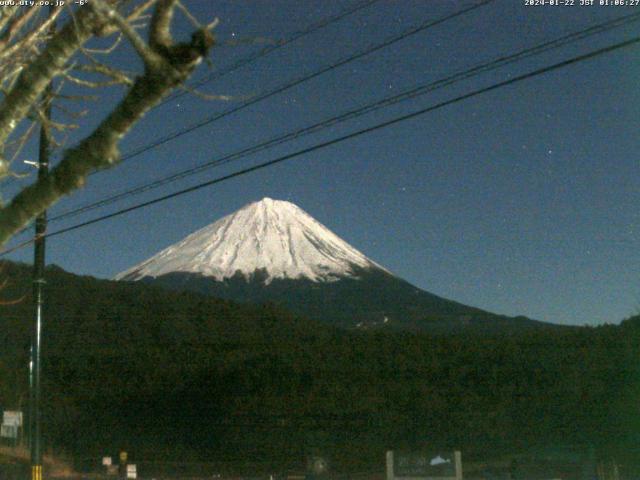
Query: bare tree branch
column 20, row 143
column 140, row 9
column 117, row 76
column 37, row 75
column 70, row 113
column 75, row 98
column 194, row 21
column 160, row 28
column 28, row 42
column 104, row 51
column 150, row 57
column 91, row 84
column 6, row 14
column 167, row 68
column 136, row 14
column 16, row 24
column 209, row 97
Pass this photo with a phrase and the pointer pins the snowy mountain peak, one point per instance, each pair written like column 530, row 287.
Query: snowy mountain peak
column 273, row 236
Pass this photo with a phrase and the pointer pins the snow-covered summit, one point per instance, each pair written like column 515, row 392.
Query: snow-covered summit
column 271, row 235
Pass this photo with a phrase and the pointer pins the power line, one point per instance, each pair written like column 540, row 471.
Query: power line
column 263, row 96
column 314, row 27
column 271, row 48
column 390, row 41
column 406, row 95
column 350, row 136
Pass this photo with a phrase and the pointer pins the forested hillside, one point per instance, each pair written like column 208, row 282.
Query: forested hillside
column 170, row 375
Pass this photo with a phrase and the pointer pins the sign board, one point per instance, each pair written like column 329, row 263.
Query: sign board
column 132, row 471
column 12, row 418
column 9, row 431
column 424, row 465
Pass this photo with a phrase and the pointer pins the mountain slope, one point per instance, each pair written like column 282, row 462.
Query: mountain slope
column 272, row 251
column 373, row 300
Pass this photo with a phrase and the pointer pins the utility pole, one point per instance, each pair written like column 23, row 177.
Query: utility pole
column 38, row 296
column 35, row 432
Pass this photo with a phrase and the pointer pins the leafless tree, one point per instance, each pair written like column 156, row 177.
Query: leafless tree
column 33, row 55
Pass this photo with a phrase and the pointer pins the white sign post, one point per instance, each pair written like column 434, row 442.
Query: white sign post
column 11, row 423
column 132, row 471
column 8, row 431
column 12, row 418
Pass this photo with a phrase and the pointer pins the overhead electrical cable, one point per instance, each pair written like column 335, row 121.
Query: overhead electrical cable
column 279, row 89
column 389, row 41
column 340, row 139
column 314, row 27
column 391, row 100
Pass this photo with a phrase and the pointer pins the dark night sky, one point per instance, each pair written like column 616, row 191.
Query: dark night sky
column 523, row 200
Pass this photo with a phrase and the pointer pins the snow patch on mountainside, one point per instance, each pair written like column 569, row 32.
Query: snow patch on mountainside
column 271, row 235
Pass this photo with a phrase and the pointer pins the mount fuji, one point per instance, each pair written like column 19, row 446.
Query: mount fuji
column 272, row 236
column 273, row 251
